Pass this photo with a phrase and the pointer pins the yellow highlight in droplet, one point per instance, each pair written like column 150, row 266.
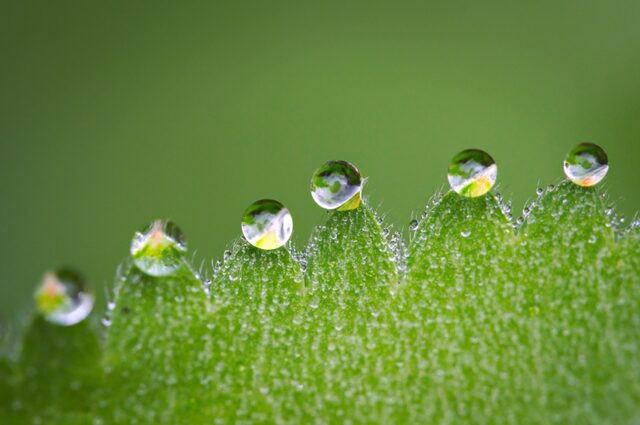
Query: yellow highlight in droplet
column 478, row 187
column 268, row 241
column 352, row 203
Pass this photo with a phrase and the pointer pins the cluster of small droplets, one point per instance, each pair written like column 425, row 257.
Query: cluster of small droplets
column 505, row 207
column 400, row 252
column 216, row 269
column 206, row 286
column 617, row 222
column 301, row 258
column 506, row 210
column 526, row 212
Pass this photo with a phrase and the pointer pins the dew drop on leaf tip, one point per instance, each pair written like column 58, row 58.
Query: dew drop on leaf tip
column 337, row 185
column 586, row 164
column 62, row 298
column 267, row 224
column 158, row 248
column 472, row 173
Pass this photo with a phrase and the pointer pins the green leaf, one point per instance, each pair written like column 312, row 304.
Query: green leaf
column 256, row 305
column 351, row 276
column 482, row 322
column 58, row 373
column 158, row 351
column 453, row 308
column 7, row 375
column 561, row 248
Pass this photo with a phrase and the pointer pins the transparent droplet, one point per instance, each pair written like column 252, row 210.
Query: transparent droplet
column 586, row 164
column 413, row 224
column 465, row 233
column 337, row 185
column 227, row 255
column 267, row 224
column 62, row 298
column 158, row 248
column 472, row 173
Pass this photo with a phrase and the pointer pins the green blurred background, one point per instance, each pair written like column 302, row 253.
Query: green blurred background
column 112, row 114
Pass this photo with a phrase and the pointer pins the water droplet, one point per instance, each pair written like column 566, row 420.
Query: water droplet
column 158, row 248
column 314, row 303
column 106, row 322
column 472, row 173
column 465, row 233
column 337, row 185
column 586, row 164
column 267, row 224
column 413, row 224
column 539, row 191
column 227, row 255
column 206, row 285
column 62, row 298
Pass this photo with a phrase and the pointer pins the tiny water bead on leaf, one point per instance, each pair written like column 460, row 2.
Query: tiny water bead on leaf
column 62, row 298
column 158, row 248
column 472, row 173
column 586, row 164
column 267, row 224
column 337, row 185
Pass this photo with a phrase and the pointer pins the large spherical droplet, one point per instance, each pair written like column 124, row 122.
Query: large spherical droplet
column 158, row 248
column 472, row 173
column 62, row 298
column 586, row 164
column 267, row 224
column 337, row 185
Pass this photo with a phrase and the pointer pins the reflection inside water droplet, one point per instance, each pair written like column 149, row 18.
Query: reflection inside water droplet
column 267, row 224
column 586, row 164
column 337, row 185
column 472, row 173
column 158, row 248
column 62, row 298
